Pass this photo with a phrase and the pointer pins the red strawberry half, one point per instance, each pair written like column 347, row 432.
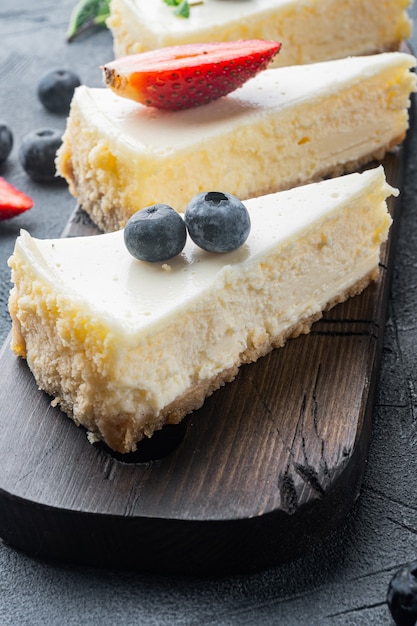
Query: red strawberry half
column 182, row 77
column 12, row 201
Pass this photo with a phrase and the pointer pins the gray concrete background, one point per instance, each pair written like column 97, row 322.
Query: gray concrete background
column 344, row 581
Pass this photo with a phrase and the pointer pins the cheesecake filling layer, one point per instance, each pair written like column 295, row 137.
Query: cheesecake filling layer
column 309, row 30
column 126, row 346
column 283, row 128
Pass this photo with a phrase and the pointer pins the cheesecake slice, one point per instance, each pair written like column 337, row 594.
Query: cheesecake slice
column 283, row 128
column 310, row 30
column 126, row 346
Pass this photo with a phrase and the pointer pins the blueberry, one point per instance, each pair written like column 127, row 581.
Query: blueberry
column 6, row 141
column 37, row 153
column 56, row 88
column 402, row 595
column 156, row 233
column 217, row 222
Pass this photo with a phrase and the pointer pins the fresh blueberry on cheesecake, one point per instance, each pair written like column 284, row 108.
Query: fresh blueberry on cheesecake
column 156, row 233
column 217, row 221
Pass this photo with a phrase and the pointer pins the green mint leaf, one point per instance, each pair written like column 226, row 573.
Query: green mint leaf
column 183, row 9
column 86, row 15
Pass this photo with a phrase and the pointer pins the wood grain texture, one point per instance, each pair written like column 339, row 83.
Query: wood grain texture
column 268, row 467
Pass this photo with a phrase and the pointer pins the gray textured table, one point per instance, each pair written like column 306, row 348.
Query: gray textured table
column 344, row 580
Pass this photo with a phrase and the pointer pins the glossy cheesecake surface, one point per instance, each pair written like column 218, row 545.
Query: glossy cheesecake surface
column 286, row 127
column 125, row 346
column 309, row 30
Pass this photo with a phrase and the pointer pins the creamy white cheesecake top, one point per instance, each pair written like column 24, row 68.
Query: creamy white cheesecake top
column 162, row 132
column 125, row 346
column 208, row 14
column 98, row 273
column 235, row 18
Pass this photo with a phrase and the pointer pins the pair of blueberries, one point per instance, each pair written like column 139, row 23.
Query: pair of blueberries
column 38, row 148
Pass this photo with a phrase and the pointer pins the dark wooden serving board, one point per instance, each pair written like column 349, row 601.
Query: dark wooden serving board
column 269, row 466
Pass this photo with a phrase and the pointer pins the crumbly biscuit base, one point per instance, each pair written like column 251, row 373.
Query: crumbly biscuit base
column 122, row 432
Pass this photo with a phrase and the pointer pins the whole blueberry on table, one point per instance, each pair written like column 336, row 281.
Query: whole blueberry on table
column 402, row 595
column 6, row 141
column 155, row 233
column 37, row 153
column 217, row 221
column 56, row 88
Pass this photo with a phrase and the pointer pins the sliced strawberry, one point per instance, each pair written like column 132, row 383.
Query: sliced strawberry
column 12, row 201
column 182, row 77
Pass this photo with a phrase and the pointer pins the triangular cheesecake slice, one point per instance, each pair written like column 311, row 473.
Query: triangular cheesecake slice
column 125, row 346
column 310, row 30
column 285, row 127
